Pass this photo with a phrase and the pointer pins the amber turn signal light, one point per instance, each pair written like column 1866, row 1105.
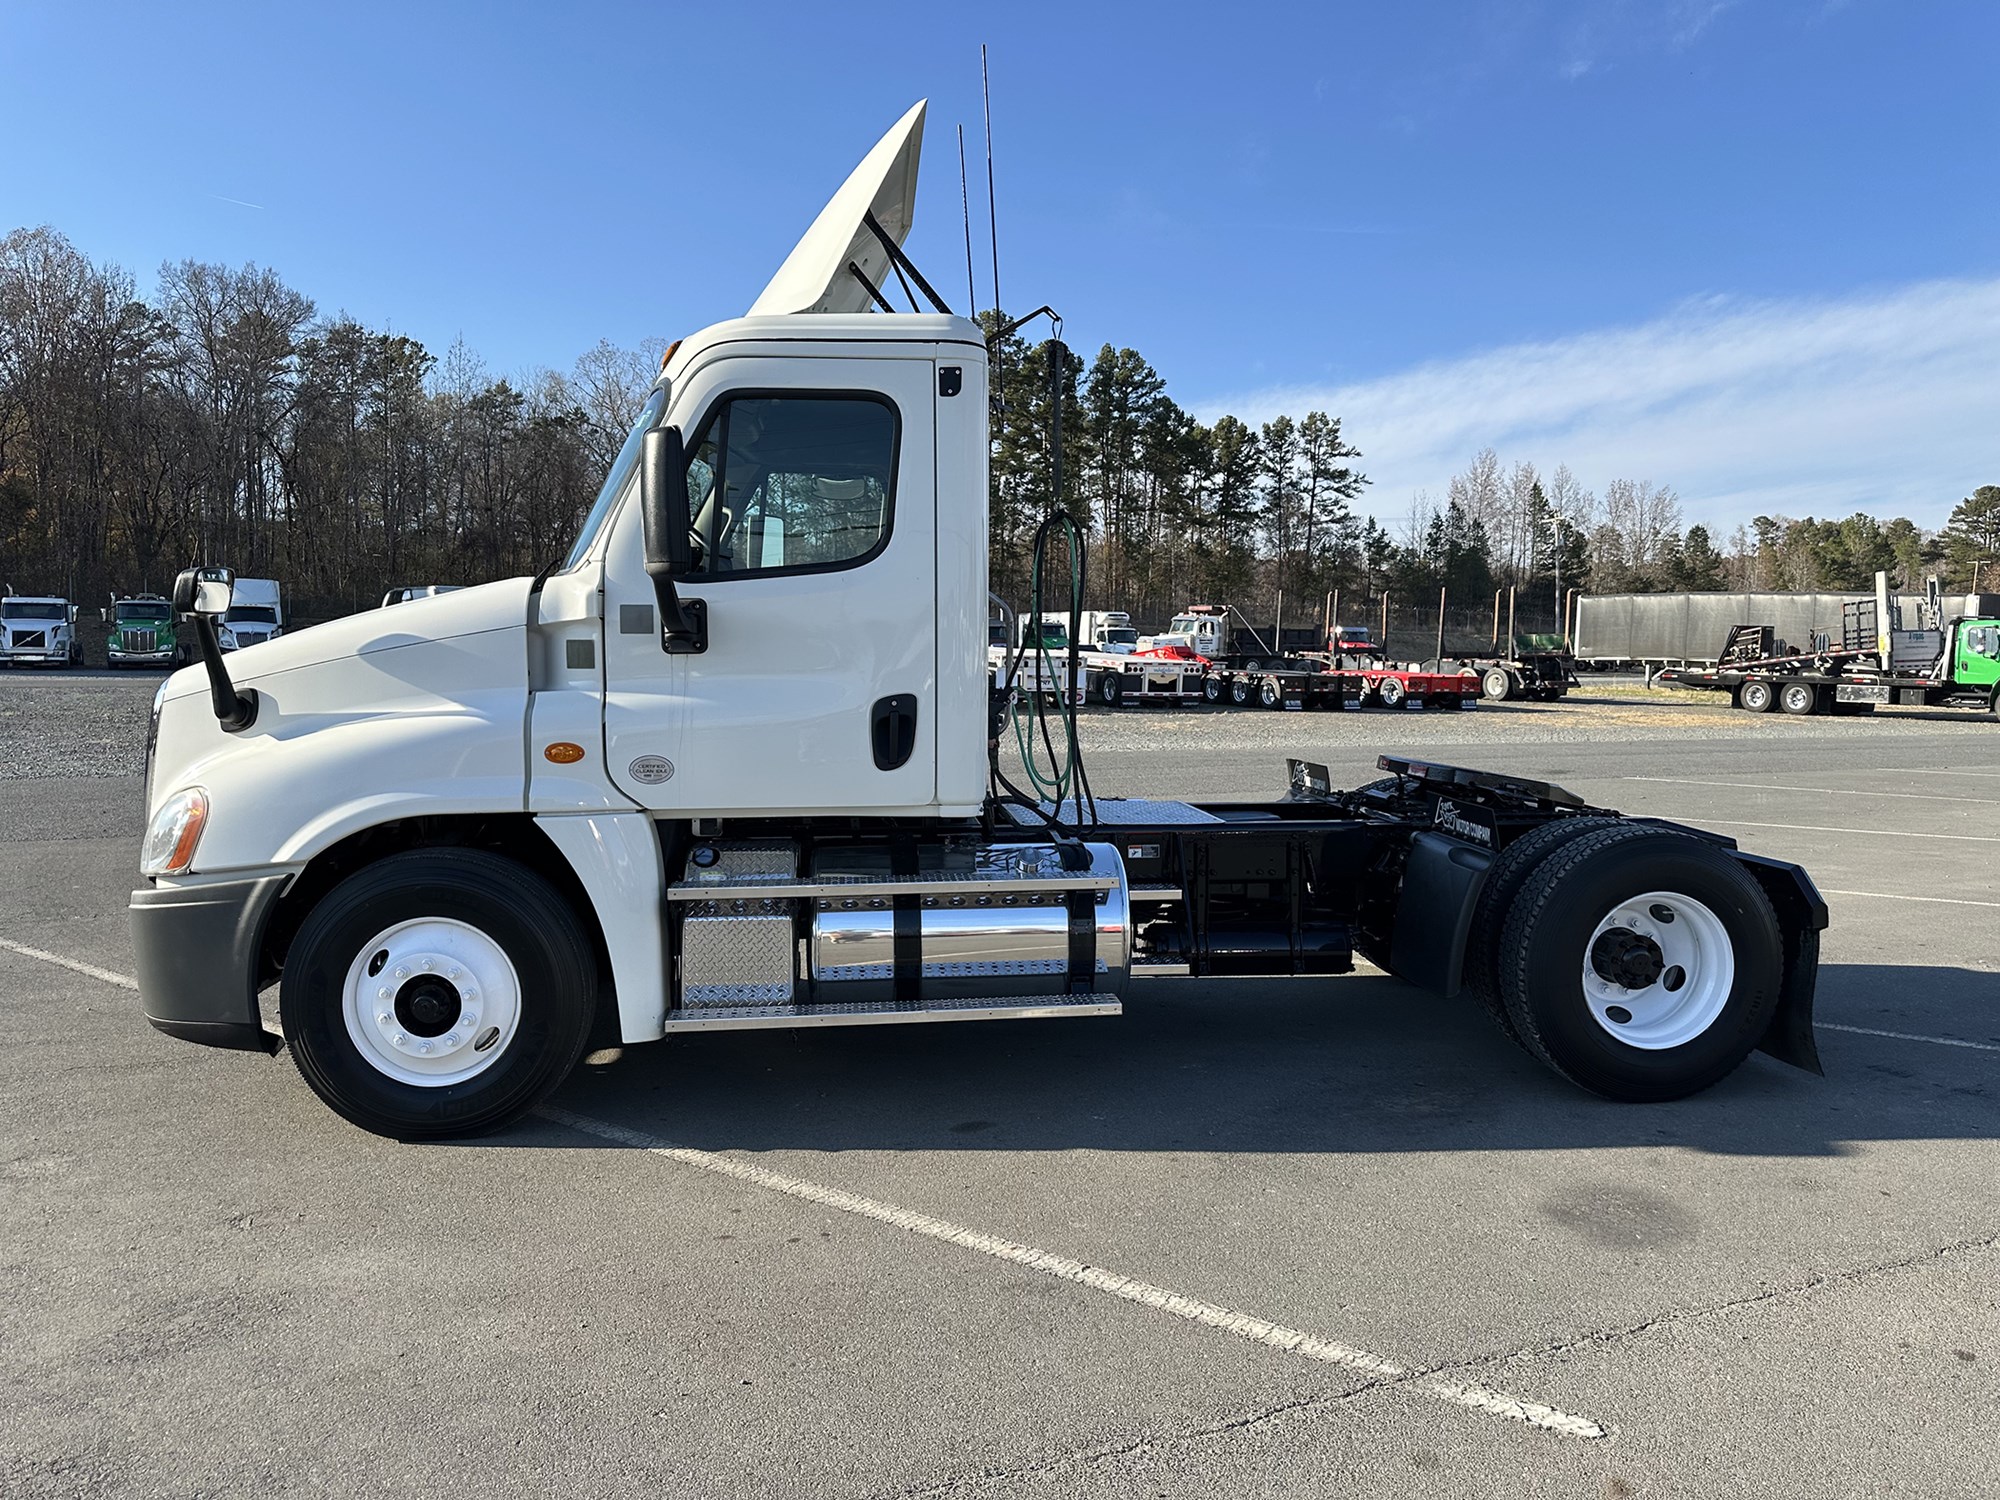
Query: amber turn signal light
column 563, row 753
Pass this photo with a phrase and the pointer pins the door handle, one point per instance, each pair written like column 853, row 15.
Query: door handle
column 893, row 728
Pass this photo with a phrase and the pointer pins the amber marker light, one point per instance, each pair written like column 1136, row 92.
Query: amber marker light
column 563, row 753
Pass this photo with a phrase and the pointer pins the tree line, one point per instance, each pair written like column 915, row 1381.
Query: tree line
column 224, row 418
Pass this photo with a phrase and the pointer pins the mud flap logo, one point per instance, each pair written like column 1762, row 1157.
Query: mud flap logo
column 1476, row 825
column 651, row 770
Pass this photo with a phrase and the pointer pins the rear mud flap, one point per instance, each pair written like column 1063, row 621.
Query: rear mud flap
column 1802, row 916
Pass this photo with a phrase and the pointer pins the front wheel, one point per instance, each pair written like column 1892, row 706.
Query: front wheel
column 1640, row 963
column 438, row 994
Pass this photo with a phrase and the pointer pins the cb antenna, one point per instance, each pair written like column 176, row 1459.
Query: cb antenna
column 993, row 228
column 965, row 208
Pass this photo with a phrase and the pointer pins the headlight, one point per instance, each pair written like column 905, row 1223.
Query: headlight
column 174, row 832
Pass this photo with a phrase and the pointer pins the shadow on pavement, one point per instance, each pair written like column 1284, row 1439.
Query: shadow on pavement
column 1366, row 1064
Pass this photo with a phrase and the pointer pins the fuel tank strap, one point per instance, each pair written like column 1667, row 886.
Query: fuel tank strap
column 907, row 913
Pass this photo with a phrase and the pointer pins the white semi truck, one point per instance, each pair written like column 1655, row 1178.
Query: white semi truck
column 731, row 764
column 256, row 614
column 38, row 630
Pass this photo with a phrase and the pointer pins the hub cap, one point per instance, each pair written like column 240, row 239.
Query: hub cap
column 1658, row 970
column 431, row 1003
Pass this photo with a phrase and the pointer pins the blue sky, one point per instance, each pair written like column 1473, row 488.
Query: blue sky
column 1750, row 248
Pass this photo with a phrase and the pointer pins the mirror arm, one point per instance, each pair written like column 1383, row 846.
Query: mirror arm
column 235, row 711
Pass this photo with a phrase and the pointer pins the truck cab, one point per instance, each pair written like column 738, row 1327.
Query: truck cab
column 141, row 632
column 256, row 614
column 38, row 630
column 733, row 763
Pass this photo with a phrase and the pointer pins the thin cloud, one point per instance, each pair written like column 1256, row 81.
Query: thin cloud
column 1887, row 402
column 220, row 198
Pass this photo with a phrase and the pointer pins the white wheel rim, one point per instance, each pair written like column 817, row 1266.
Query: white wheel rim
column 431, row 1002
column 1696, row 970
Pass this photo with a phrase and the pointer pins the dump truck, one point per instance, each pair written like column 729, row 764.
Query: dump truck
column 1935, row 661
column 733, row 763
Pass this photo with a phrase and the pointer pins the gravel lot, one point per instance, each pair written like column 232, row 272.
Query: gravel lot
column 1785, row 1286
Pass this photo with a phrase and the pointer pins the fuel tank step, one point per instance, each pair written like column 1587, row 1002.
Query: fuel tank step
column 889, row 1012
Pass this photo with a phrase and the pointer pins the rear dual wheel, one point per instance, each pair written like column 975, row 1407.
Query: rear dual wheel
column 1756, row 697
column 1640, row 963
column 1799, row 698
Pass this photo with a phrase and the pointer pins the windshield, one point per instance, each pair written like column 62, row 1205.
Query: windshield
column 1117, row 637
column 1184, row 625
column 614, row 482
column 15, row 609
column 143, row 614
column 251, row 614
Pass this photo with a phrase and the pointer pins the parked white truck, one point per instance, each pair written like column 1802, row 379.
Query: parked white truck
column 256, row 614
column 728, row 766
column 38, row 630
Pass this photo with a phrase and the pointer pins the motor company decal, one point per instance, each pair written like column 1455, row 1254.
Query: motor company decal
column 1473, row 824
column 651, row 769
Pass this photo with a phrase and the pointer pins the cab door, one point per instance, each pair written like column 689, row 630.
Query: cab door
column 813, row 487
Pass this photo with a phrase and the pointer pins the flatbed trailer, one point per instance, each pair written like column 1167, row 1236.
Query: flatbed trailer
column 1312, row 684
column 1942, row 664
column 738, row 768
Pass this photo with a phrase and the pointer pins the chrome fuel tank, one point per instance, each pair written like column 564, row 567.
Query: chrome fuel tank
column 996, row 922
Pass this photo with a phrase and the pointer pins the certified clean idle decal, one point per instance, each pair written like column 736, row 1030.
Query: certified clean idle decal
column 652, row 769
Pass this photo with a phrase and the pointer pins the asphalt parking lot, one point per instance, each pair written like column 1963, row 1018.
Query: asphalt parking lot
column 1251, row 1238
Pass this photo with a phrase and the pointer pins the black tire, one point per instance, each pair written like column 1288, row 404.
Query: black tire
column 1497, row 684
column 515, row 909
column 1392, row 692
column 1110, row 689
column 1798, row 699
column 1756, row 697
column 1509, row 872
column 1547, row 935
column 1271, row 693
column 1239, row 691
column 1211, row 690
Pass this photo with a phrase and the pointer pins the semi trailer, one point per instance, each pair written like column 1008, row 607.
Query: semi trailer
column 734, row 763
column 1938, row 662
column 1662, row 630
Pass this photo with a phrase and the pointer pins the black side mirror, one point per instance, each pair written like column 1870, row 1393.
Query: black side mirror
column 663, row 497
column 663, row 506
column 204, row 593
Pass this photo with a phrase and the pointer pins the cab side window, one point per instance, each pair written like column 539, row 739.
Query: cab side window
column 1985, row 640
column 784, row 482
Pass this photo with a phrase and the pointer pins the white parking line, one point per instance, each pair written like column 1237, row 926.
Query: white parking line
column 1910, row 1036
column 1812, row 791
column 1887, row 833
column 1208, row 1314
column 123, row 981
column 1827, row 890
column 1937, row 771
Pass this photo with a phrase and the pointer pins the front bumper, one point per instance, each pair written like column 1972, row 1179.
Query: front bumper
column 39, row 658
column 147, row 658
column 198, row 949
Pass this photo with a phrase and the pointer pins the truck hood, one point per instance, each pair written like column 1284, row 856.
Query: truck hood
column 442, row 617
